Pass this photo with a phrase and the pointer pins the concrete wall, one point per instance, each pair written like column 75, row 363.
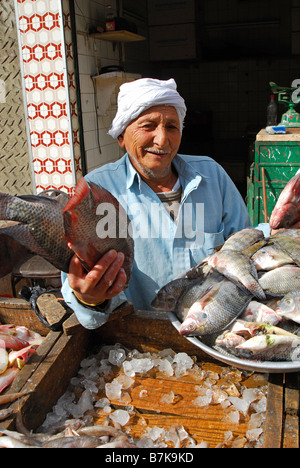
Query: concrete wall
column 93, row 55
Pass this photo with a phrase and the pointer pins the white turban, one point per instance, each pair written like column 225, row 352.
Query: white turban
column 137, row 96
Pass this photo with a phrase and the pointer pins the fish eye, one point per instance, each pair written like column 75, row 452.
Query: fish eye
column 171, row 301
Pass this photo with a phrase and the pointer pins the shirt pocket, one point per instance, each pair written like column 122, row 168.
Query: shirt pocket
column 211, row 240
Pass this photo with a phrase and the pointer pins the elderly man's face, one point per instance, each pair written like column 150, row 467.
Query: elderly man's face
column 152, row 140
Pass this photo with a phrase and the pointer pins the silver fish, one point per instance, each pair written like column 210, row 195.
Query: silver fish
column 237, row 267
column 73, row 442
column 6, row 412
column 194, row 293
column 215, row 310
column 169, row 295
column 243, row 239
column 260, row 313
column 241, row 331
column 289, row 244
column 289, row 307
column 86, row 437
column 229, row 340
column 270, row 348
column 255, row 329
column 281, row 281
column 10, row 442
column 270, row 257
column 287, row 232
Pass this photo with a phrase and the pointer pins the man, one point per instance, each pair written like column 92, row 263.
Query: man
column 181, row 207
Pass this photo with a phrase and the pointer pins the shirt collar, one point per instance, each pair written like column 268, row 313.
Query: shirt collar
column 186, row 171
column 189, row 177
column 131, row 172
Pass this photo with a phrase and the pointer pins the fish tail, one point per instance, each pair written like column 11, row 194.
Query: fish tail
column 10, row 208
column 4, row 198
column 259, row 293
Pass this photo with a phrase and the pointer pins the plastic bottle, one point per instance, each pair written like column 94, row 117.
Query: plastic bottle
column 272, row 112
column 110, row 24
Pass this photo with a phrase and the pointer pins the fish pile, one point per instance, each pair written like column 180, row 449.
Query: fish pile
column 55, row 226
column 100, row 407
column 244, row 299
column 17, row 344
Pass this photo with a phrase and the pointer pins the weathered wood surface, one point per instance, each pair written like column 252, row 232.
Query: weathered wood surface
column 19, row 312
column 209, row 423
column 282, row 417
column 275, row 412
column 51, row 308
column 48, row 372
column 50, row 379
column 292, row 134
column 147, row 331
column 57, row 359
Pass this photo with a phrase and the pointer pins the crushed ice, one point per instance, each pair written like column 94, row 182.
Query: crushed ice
column 110, row 374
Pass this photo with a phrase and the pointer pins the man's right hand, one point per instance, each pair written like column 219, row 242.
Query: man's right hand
column 104, row 281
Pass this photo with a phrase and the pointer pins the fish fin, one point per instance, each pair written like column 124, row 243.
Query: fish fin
column 254, row 289
column 208, row 294
column 10, row 252
column 36, row 199
column 101, row 195
column 82, row 190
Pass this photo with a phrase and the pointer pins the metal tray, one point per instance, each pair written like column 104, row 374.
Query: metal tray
column 257, row 366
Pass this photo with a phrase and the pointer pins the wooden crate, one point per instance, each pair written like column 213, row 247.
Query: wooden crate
column 49, row 371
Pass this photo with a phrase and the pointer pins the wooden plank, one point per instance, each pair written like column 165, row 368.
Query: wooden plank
column 26, row 373
column 51, row 378
column 209, row 423
column 58, row 359
column 19, row 312
column 199, row 430
column 292, row 134
column 71, row 326
column 183, row 405
column 148, row 331
column 274, row 413
column 50, row 308
column 291, row 411
column 118, row 36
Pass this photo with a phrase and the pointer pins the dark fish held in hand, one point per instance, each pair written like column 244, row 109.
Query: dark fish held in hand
column 48, row 224
column 95, row 222
column 40, row 228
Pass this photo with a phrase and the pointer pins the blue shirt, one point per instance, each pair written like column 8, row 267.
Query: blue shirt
column 211, row 209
